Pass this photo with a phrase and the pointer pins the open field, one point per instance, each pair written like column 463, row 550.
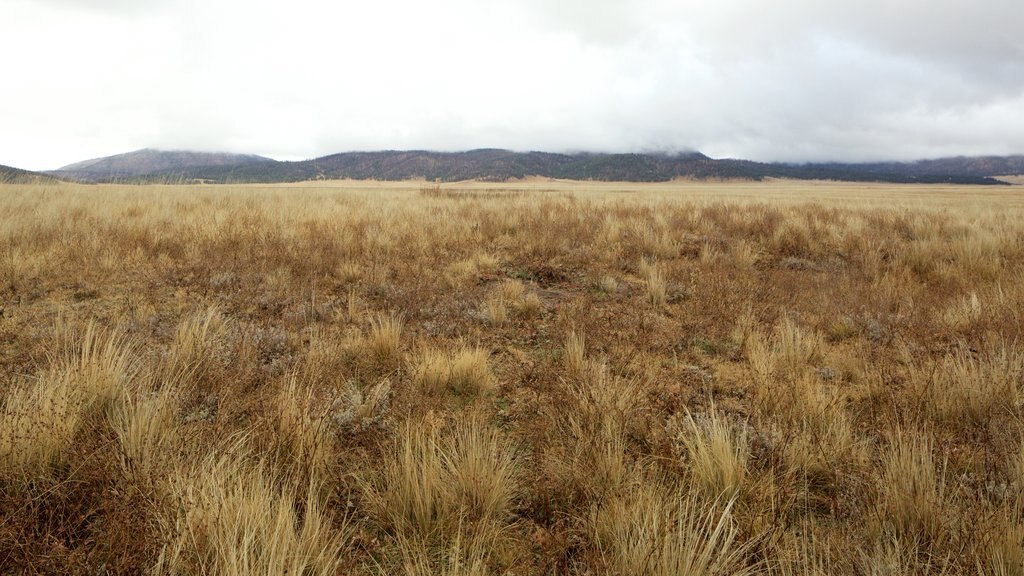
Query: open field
column 527, row 378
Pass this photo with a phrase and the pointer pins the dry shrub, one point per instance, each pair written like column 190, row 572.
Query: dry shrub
column 465, row 556
column 355, row 407
column 793, row 238
column 100, row 366
column 822, row 448
column 745, row 328
column 802, row 554
column 512, row 290
column 708, row 254
column 325, row 358
column 1001, row 551
column 412, row 494
column 963, row 312
column 348, row 271
column 744, row 254
column 1015, row 470
column 796, row 348
column 780, row 368
column 608, row 284
column 896, row 556
column 602, row 402
column 523, row 304
column 761, row 359
column 469, row 270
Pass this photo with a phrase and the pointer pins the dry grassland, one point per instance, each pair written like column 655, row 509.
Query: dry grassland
column 527, row 378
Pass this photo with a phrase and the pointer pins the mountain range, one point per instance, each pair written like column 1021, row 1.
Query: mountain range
column 148, row 161
column 155, row 166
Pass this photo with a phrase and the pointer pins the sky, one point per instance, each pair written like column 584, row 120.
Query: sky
column 782, row 80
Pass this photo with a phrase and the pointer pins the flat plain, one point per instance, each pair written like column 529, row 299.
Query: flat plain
column 537, row 377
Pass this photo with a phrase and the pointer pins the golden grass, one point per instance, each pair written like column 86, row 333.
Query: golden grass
column 654, row 531
column 232, row 518
column 469, row 373
column 535, row 377
column 915, row 501
column 464, row 371
column 657, row 288
column 302, row 427
column 575, row 353
column 38, row 426
column 385, row 338
column 413, row 495
column 147, row 434
column 717, row 452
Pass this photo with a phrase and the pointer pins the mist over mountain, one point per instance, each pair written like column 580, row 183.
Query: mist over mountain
column 149, row 165
column 149, row 161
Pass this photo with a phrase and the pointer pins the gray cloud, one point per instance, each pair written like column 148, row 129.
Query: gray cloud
column 799, row 80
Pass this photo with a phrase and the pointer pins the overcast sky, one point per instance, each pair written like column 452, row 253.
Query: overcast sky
column 790, row 80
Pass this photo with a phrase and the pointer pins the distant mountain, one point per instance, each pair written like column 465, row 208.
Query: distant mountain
column 9, row 175
column 502, row 165
column 486, row 164
column 148, row 161
column 974, row 166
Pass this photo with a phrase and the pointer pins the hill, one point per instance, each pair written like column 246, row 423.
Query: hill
column 965, row 166
column 9, row 175
column 501, row 165
column 148, row 161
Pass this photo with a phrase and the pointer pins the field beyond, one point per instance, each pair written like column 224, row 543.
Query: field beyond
column 537, row 377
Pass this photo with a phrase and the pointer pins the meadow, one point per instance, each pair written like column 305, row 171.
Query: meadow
column 534, row 377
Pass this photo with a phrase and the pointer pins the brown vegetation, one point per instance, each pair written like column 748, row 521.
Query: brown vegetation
column 537, row 378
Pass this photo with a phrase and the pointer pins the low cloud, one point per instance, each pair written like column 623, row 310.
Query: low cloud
column 804, row 80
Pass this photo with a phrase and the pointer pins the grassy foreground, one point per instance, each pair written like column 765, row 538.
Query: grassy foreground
column 533, row 378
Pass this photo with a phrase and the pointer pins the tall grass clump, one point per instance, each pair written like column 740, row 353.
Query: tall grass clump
column 38, row 425
column 432, row 486
column 385, row 337
column 232, row 516
column 464, row 371
column 657, row 287
column 302, row 430
column 717, row 452
column 147, row 436
column 656, row 531
column 913, row 497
